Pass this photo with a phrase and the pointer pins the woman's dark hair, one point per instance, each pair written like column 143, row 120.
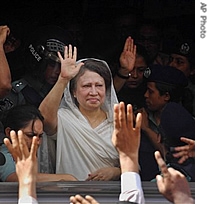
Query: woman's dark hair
column 94, row 66
column 141, row 51
column 19, row 116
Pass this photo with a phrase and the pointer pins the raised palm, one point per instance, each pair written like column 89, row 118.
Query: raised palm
column 127, row 57
column 69, row 68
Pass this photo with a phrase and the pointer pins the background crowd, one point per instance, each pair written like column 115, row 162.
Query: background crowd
column 98, row 28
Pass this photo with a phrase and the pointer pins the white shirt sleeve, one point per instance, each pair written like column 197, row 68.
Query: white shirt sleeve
column 28, row 200
column 131, row 188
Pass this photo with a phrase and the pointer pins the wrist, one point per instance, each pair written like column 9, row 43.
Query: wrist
column 123, row 75
column 129, row 164
column 27, row 190
column 188, row 200
column 63, row 80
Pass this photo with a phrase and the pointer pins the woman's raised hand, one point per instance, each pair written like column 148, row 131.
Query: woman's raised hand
column 69, row 68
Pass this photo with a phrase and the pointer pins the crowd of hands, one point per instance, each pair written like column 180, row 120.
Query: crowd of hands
column 172, row 184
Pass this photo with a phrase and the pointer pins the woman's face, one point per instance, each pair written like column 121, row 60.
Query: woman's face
column 137, row 74
column 90, row 91
column 34, row 128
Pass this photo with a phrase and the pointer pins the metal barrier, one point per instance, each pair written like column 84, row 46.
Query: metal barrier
column 59, row 192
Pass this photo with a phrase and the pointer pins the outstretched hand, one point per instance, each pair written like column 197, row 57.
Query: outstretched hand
column 20, row 152
column 128, row 56
column 26, row 162
column 186, row 151
column 172, row 184
column 69, row 68
column 126, row 137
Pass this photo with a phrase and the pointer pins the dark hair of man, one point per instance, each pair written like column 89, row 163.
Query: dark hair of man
column 19, row 116
column 94, row 66
column 175, row 92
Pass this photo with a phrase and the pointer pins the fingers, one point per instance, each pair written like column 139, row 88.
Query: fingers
column 69, row 52
column 116, row 116
column 162, row 165
column 75, row 54
column 90, row 177
column 187, row 140
column 182, row 148
column 24, row 151
column 122, row 120
column 129, row 45
column 66, row 54
column 174, row 173
column 9, row 147
column 138, row 122
column 95, row 177
column 98, row 178
column 180, row 152
column 134, row 49
column 72, row 53
column 160, row 183
column 116, row 123
column 129, row 116
column 34, row 147
column 129, row 48
column 130, row 119
column 14, row 149
column 183, row 159
column 18, row 147
column 60, row 56
column 91, row 199
column 163, row 179
column 143, row 112
column 126, row 44
column 78, row 199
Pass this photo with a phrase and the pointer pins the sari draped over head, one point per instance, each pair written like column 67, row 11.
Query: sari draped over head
column 82, row 149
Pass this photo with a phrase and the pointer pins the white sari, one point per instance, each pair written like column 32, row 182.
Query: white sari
column 80, row 148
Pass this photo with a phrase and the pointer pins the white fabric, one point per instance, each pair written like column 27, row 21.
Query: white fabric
column 131, row 188
column 80, row 148
column 28, row 200
column 46, row 155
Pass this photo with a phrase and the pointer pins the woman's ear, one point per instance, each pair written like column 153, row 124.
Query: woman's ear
column 7, row 131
